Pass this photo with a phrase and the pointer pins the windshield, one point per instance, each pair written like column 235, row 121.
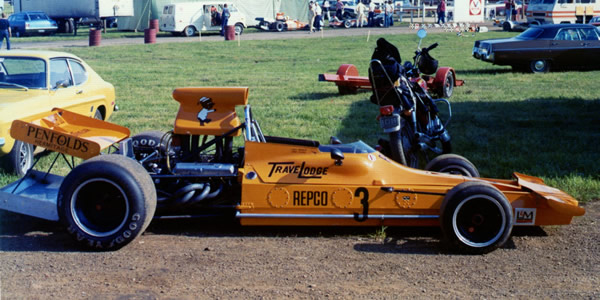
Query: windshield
column 533, row 2
column 356, row 147
column 530, row 34
column 22, row 71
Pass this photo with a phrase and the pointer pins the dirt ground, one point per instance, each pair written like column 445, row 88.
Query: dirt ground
column 192, row 259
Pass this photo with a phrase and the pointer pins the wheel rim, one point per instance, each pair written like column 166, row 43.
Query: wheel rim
column 449, row 85
column 25, row 157
column 99, row 207
column 479, row 221
column 539, row 65
column 189, row 31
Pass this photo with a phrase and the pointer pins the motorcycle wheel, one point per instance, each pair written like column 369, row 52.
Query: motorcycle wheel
column 396, row 147
column 413, row 157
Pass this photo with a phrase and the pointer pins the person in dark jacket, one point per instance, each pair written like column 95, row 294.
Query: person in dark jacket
column 4, row 31
column 224, row 19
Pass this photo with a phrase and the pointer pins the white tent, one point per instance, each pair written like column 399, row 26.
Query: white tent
column 144, row 10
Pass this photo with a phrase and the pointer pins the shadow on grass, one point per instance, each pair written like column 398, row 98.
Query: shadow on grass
column 549, row 137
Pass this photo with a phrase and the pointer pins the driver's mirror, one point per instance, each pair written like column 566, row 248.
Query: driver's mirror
column 337, row 155
column 422, row 33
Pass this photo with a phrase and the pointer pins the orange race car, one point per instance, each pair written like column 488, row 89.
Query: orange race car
column 109, row 200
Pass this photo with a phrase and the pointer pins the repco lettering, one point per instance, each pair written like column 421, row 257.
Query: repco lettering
column 310, row 198
column 52, row 139
column 302, row 171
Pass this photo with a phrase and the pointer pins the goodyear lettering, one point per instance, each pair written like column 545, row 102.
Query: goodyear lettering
column 301, row 170
column 310, row 198
column 56, row 141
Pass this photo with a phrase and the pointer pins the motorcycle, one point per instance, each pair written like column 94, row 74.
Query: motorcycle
column 408, row 113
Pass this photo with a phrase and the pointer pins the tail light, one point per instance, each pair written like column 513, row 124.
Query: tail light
column 386, row 110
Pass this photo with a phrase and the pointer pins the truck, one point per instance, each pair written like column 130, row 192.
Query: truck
column 540, row 12
column 190, row 18
column 67, row 13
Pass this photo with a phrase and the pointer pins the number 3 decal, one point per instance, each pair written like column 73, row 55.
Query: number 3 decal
column 365, row 203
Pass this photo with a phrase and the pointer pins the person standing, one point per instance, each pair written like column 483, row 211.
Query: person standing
column 318, row 17
column 224, row 19
column 326, row 6
column 4, row 31
column 441, row 11
column 360, row 11
column 371, row 14
column 339, row 10
column 312, row 16
column 389, row 10
column 508, row 7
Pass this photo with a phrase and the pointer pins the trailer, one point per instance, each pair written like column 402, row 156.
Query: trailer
column 67, row 13
column 348, row 81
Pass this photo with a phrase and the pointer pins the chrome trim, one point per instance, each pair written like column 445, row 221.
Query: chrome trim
column 2, row 141
column 322, row 216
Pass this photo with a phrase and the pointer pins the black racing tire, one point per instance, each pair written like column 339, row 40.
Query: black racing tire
column 239, row 28
column 539, row 66
column 475, row 218
column 506, row 26
column 396, row 147
column 381, row 23
column 452, row 164
column 189, row 31
column 279, row 26
column 448, row 85
column 19, row 160
column 106, row 202
column 145, row 143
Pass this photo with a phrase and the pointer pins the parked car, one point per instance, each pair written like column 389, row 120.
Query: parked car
column 31, row 22
column 595, row 21
column 541, row 48
column 34, row 82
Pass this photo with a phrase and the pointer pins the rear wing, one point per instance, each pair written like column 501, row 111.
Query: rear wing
column 69, row 133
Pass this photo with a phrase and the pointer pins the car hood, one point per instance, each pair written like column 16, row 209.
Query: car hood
column 18, row 103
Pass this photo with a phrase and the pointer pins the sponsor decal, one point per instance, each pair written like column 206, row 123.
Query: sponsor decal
column 310, row 198
column 475, row 7
column 207, row 105
column 302, row 170
column 371, row 157
column 56, row 141
column 524, row 216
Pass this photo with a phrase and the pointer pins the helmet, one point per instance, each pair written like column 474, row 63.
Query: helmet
column 427, row 64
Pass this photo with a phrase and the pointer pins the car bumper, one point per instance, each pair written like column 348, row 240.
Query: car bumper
column 41, row 30
column 483, row 54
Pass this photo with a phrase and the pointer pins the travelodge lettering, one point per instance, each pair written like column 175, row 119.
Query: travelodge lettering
column 301, row 170
column 56, row 141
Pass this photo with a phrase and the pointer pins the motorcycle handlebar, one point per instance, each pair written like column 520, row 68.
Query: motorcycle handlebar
column 431, row 47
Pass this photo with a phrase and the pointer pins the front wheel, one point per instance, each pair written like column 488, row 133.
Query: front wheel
column 239, row 28
column 448, row 85
column 106, row 202
column 20, row 159
column 279, row 26
column 347, row 24
column 539, row 66
column 476, row 218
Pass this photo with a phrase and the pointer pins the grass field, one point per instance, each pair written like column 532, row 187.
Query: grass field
column 545, row 125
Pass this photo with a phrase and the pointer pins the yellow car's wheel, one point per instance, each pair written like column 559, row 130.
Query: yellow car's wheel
column 19, row 159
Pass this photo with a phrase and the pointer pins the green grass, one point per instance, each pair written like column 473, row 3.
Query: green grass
column 544, row 125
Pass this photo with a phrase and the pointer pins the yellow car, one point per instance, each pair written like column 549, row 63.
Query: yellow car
column 34, row 82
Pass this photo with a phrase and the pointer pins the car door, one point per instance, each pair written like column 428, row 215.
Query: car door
column 567, row 49
column 591, row 42
column 68, row 88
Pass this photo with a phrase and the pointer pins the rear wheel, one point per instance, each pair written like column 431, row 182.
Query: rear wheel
column 347, row 24
column 452, row 164
column 106, row 202
column 20, row 159
column 539, row 66
column 189, row 31
column 279, row 26
column 476, row 218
